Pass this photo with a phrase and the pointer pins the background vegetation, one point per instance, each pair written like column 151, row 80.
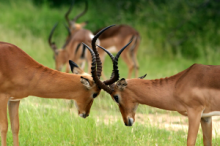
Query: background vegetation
column 175, row 34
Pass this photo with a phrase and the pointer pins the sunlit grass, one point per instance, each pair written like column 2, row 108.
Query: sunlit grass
column 50, row 122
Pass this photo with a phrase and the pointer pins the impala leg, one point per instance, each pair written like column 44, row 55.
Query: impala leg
column 129, row 63
column 136, row 66
column 14, row 117
column 67, row 68
column 82, row 66
column 194, row 118
column 102, row 57
column 206, row 124
column 133, row 54
column 89, row 66
column 3, row 118
column 103, row 76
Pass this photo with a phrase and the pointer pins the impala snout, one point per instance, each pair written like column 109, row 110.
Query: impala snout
column 83, row 109
column 83, row 115
column 129, row 122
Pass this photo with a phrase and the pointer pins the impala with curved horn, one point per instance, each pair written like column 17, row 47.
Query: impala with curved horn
column 73, row 26
column 25, row 77
column 115, row 38
column 70, row 50
column 76, row 36
column 194, row 92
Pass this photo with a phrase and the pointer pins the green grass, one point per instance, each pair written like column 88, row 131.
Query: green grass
column 51, row 122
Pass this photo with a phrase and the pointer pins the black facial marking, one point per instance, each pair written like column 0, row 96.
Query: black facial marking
column 116, row 98
column 85, row 79
column 95, row 95
column 129, row 123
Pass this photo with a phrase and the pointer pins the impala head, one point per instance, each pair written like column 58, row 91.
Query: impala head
column 89, row 90
column 126, row 103
column 123, row 96
column 72, row 23
column 91, row 84
column 118, row 90
column 60, row 55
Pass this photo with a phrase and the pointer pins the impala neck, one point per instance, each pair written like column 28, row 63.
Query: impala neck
column 157, row 93
column 21, row 76
column 49, row 83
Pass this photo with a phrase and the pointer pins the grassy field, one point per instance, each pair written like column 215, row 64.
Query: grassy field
column 52, row 122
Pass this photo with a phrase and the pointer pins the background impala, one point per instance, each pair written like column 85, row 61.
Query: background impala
column 70, row 50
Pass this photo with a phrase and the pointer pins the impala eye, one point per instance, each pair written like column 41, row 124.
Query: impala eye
column 116, row 98
column 95, row 95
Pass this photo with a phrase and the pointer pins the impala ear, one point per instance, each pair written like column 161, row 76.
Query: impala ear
column 143, row 76
column 121, row 84
column 85, row 82
column 75, row 68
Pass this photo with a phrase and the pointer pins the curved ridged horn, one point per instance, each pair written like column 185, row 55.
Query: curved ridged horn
column 93, row 65
column 52, row 44
column 81, row 14
column 94, row 73
column 68, row 12
column 110, row 55
column 115, row 73
column 68, row 37
column 98, row 61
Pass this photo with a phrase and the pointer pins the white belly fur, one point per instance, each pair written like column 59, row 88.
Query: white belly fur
column 92, row 36
column 214, row 113
column 112, row 49
column 12, row 99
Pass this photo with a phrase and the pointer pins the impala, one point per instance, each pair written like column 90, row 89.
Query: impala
column 25, row 77
column 70, row 50
column 115, row 38
column 194, row 92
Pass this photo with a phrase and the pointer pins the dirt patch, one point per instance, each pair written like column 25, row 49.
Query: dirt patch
column 163, row 121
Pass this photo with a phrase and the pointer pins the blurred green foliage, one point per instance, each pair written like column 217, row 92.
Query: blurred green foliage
column 178, row 27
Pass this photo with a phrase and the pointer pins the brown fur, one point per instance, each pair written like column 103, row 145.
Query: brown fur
column 69, row 52
column 192, row 92
column 21, row 76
